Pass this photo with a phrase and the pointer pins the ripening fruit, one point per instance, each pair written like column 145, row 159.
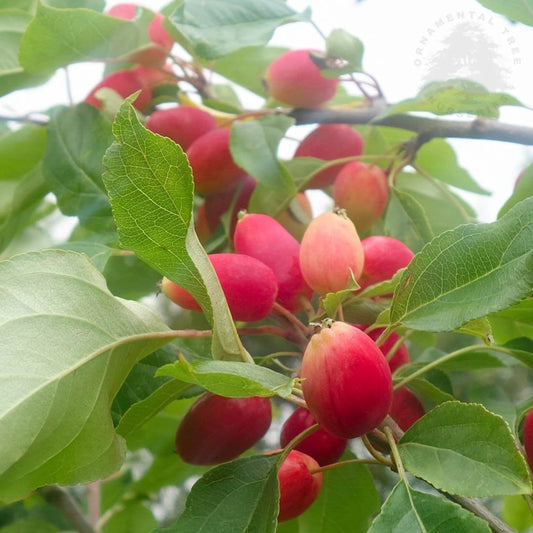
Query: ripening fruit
column 217, row 429
column 298, row 488
column 323, row 447
column 406, row 408
column 264, row 238
column 201, row 225
column 362, row 191
column 347, row 382
column 249, row 286
column 296, row 227
column 295, row 80
column 527, row 438
column 330, row 141
column 152, row 77
column 384, row 256
column 212, row 166
column 331, row 253
column 401, row 355
column 124, row 82
column 183, row 124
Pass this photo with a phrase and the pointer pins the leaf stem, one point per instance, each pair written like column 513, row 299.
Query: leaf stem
column 344, row 463
column 380, row 458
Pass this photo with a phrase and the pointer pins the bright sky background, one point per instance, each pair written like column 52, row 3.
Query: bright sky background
column 399, row 38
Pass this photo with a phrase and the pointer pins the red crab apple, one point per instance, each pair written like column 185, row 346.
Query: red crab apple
column 400, row 357
column 330, row 141
column 362, row 191
column 264, row 238
column 384, row 256
column 331, row 253
column 212, row 166
column 298, row 487
column 295, row 80
column 406, row 408
column 249, row 286
column 347, row 382
column 183, row 124
column 217, row 429
column 320, row 445
column 527, row 437
column 124, row 82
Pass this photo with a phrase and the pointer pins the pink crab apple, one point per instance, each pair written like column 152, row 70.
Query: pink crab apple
column 264, row 238
column 362, row 190
column 298, row 487
column 347, row 381
column 295, row 80
column 331, row 253
column 323, row 447
column 217, row 429
column 406, row 408
column 183, row 124
column 328, row 142
column 249, row 286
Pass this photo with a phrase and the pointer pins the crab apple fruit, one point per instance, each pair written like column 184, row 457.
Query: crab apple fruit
column 201, row 225
column 124, row 82
column 384, row 256
column 152, row 77
column 401, row 355
column 295, row 80
column 264, row 238
column 217, row 429
column 298, row 487
column 182, row 124
column 323, row 447
column 249, row 286
column 330, row 141
column 294, row 226
column 212, row 166
column 527, row 437
column 406, row 408
column 347, row 381
column 331, row 253
column 362, row 191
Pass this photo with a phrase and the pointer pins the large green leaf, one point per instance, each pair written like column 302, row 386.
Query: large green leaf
column 151, row 190
column 410, row 510
column 517, row 10
column 131, row 516
column 467, row 273
column 515, row 321
column 67, row 346
column 77, row 140
column 466, row 450
column 57, row 37
column 238, row 496
column 214, row 29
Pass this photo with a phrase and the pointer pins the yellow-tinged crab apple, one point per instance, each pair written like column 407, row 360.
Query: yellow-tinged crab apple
column 331, row 253
column 328, row 142
column 347, row 381
column 217, row 429
column 183, row 124
column 384, row 256
column 323, row 447
column 362, row 191
column 212, row 166
column 249, row 286
column 295, row 80
column 264, row 238
column 124, row 82
column 406, row 408
column 401, row 355
column 298, row 487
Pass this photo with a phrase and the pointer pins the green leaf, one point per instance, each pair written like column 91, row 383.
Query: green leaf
column 406, row 220
column 254, row 146
column 334, row 508
column 56, row 395
column 515, row 321
column 214, row 32
column 331, row 301
column 99, row 254
column 341, row 44
column 467, row 272
column 466, row 450
column 77, row 140
column 516, row 512
column 57, row 37
column 523, row 189
column 517, row 10
column 29, row 525
column 454, row 96
column 231, row 378
column 438, row 159
column 151, row 190
column 479, row 327
column 131, row 516
column 407, row 509
column 238, row 496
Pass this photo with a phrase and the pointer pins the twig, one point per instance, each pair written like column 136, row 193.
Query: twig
column 64, row 501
